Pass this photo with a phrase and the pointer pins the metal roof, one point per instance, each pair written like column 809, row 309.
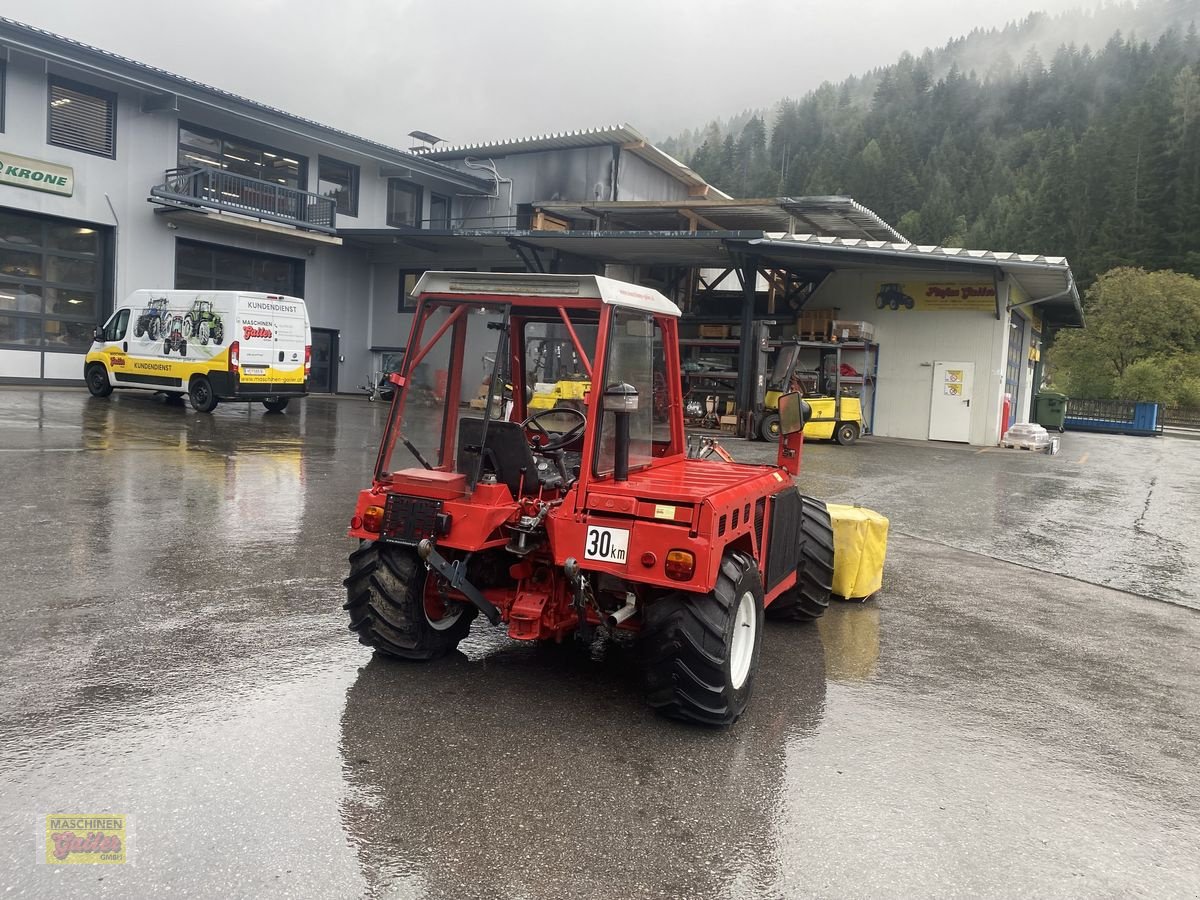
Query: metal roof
column 627, row 136
column 832, row 216
column 514, row 284
column 84, row 57
column 1047, row 280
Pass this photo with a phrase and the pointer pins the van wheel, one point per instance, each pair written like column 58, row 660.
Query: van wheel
column 277, row 405
column 847, row 433
column 201, row 394
column 701, row 651
column 97, row 381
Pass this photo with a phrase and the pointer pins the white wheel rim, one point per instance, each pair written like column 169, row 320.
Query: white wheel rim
column 745, row 627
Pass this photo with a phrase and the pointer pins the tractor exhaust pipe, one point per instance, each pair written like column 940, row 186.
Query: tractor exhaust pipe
column 613, row 619
column 621, row 400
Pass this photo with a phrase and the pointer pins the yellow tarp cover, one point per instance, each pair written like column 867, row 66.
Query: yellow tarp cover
column 859, row 549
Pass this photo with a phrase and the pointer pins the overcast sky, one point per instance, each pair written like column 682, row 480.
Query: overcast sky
column 469, row 71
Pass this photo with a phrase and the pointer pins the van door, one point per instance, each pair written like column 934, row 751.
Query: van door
column 291, row 337
column 272, row 332
column 114, row 344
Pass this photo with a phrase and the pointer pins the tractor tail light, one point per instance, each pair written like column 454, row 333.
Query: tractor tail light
column 234, row 362
column 680, row 565
column 307, row 360
column 372, row 519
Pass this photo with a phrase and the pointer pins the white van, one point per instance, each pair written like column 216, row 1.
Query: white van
column 210, row 345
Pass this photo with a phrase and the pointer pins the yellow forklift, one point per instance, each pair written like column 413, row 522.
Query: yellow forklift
column 834, row 416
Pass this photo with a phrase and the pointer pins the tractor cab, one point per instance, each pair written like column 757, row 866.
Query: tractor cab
column 468, row 428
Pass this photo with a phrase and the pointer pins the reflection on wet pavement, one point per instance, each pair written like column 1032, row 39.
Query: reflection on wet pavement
column 174, row 649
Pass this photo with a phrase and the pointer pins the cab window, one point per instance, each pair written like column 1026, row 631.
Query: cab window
column 117, row 326
column 635, row 357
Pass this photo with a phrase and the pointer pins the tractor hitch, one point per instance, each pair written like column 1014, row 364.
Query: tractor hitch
column 455, row 574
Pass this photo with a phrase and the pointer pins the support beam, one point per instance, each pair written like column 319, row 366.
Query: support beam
column 748, row 276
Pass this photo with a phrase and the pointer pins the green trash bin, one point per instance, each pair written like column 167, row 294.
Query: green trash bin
column 1050, row 410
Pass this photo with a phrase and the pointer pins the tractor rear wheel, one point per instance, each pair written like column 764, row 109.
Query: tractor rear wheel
column 394, row 607
column 809, row 599
column 700, row 651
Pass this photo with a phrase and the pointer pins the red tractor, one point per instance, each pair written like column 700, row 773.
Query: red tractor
column 565, row 521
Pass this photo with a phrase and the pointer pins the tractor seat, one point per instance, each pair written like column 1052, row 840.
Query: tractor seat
column 505, row 453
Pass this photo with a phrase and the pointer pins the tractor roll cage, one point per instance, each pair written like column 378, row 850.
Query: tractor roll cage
column 557, row 310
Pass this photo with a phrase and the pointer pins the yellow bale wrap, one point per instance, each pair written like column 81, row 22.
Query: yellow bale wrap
column 859, row 549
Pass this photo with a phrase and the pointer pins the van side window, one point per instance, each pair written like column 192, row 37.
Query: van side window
column 117, row 326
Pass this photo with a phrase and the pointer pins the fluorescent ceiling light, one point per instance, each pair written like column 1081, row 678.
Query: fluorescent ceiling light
column 238, row 158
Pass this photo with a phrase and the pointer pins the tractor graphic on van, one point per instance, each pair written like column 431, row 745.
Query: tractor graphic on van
column 174, row 336
column 203, row 323
column 892, row 294
column 150, row 322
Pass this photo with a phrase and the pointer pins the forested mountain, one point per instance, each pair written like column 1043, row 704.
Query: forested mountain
column 1090, row 152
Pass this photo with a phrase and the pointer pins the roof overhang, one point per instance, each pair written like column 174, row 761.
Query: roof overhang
column 1047, row 282
column 831, row 216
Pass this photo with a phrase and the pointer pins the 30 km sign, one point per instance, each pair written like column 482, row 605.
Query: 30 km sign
column 20, row 171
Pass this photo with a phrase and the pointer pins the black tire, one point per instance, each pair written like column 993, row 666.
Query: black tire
column 809, row 599
column 385, row 599
column 152, row 329
column 277, row 405
column 847, row 433
column 98, row 384
column 217, row 332
column 139, row 329
column 201, row 394
column 687, row 647
column 167, row 347
column 189, row 326
column 768, row 428
column 183, row 348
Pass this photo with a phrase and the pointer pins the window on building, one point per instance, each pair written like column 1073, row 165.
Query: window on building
column 204, row 147
column 408, row 283
column 82, row 118
column 439, row 211
column 404, row 204
column 51, row 281
column 338, row 180
column 209, row 267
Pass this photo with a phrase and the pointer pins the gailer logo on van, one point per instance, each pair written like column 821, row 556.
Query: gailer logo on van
column 255, row 331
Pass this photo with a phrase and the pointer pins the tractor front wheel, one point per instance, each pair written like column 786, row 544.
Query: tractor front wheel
column 701, row 651
column 395, row 608
column 809, row 598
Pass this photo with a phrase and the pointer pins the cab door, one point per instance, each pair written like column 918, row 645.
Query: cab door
column 114, row 345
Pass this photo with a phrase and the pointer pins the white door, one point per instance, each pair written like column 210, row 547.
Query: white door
column 950, row 406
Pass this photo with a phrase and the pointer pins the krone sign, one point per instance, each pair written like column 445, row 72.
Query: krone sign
column 36, row 175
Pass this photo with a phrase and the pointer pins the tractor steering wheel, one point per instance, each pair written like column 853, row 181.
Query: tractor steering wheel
column 563, row 439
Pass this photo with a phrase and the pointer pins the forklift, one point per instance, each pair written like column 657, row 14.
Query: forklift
column 834, row 417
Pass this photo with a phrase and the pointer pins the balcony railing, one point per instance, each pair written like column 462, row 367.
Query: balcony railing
column 216, row 189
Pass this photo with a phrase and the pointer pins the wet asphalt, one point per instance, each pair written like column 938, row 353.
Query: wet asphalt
column 1017, row 713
